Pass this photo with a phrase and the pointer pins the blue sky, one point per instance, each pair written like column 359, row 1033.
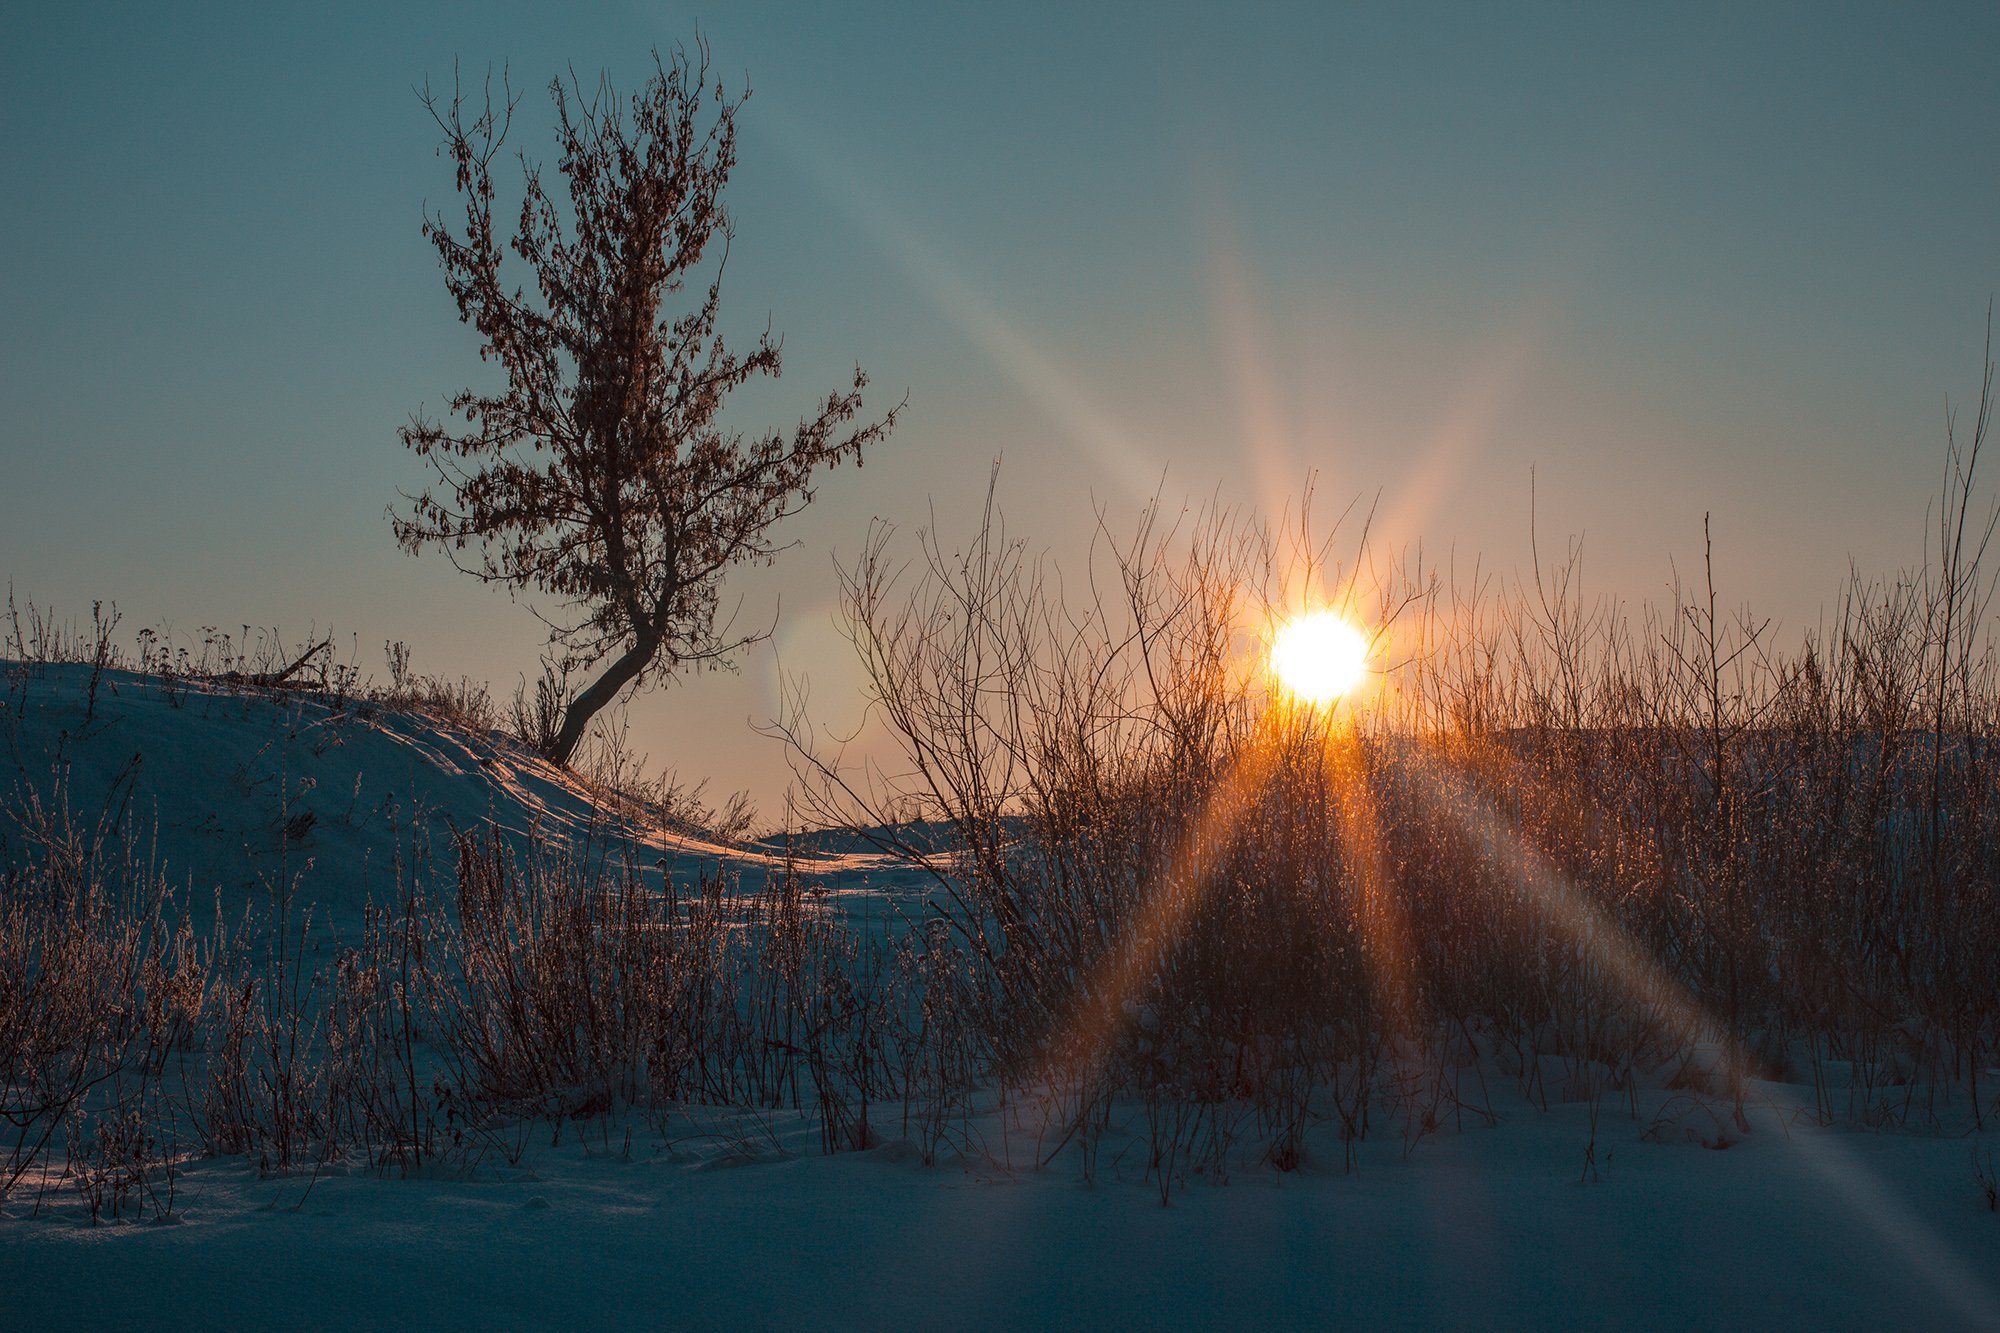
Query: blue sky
column 1678, row 260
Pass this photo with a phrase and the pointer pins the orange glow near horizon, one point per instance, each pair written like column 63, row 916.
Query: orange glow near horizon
column 1319, row 657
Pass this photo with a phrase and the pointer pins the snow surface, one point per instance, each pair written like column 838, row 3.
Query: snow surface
column 724, row 1219
column 209, row 776
column 1488, row 1228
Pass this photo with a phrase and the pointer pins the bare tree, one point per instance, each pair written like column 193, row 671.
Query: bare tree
column 602, row 475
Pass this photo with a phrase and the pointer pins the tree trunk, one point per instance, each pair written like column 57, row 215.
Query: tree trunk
column 578, row 711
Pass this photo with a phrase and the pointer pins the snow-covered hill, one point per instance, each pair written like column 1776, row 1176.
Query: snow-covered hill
column 238, row 793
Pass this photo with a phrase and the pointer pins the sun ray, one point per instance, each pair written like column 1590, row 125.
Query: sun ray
column 1189, row 874
column 1238, row 323
column 1384, row 928
column 1567, row 910
column 924, row 262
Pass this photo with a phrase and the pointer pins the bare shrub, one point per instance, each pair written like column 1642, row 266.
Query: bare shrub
column 1574, row 841
column 99, row 982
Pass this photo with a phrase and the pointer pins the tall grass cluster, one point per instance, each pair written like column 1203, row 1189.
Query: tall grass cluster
column 1579, row 845
column 543, row 990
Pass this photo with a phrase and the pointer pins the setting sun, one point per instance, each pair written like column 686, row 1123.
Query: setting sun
column 1319, row 657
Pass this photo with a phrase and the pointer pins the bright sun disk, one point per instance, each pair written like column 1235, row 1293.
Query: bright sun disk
column 1319, row 657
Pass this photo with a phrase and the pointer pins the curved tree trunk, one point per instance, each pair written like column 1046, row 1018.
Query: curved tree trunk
column 578, row 711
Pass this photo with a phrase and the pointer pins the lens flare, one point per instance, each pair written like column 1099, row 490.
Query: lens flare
column 1319, row 657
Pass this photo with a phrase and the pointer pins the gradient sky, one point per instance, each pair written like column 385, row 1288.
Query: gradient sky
column 1675, row 259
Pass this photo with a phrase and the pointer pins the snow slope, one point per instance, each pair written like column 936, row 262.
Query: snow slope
column 211, row 778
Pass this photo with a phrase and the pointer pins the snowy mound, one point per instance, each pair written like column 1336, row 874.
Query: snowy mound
column 235, row 793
